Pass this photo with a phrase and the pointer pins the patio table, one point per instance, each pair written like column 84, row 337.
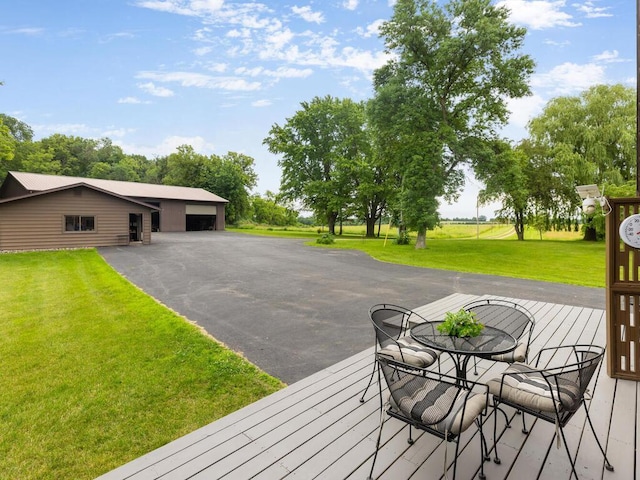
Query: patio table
column 491, row 341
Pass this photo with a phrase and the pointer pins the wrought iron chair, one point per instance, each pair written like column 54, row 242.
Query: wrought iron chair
column 509, row 317
column 391, row 326
column 439, row 404
column 552, row 394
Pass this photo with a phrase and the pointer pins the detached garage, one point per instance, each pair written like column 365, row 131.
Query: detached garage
column 73, row 216
column 164, row 208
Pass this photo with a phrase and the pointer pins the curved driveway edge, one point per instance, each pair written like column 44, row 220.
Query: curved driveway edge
column 293, row 309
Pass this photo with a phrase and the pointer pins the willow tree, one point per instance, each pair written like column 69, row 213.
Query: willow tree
column 589, row 138
column 452, row 71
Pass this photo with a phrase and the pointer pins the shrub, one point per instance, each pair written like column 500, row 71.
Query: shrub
column 326, row 239
column 403, row 239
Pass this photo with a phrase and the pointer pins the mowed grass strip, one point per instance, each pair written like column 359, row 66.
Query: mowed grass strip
column 96, row 373
column 561, row 257
column 572, row 262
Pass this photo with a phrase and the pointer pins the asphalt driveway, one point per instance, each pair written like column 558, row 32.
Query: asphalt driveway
column 293, row 309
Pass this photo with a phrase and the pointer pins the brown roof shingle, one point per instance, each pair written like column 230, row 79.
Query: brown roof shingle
column 38, row 182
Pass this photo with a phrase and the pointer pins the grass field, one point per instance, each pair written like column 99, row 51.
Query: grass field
column 96, row 373
column 493, row 249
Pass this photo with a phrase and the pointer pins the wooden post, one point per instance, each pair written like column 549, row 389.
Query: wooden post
column 623, row 295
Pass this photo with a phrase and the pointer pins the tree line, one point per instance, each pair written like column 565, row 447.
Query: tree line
column 230, row 176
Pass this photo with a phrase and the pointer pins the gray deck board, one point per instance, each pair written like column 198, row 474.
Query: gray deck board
column 317, row 428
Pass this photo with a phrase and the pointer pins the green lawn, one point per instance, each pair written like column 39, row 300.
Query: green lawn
column 559, row 257
column 95, row 373
column 573, row 262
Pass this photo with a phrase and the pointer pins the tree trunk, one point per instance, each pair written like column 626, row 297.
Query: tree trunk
column 590, row 234
column 519, row 225
column 371, row 226
column 421, row 241
column 331, row 222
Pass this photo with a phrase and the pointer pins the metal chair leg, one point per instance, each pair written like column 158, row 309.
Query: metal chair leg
column 496, row 458
column 607, row 464
column 368, row 384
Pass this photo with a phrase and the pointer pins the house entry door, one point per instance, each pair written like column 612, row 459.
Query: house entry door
column 135, row 227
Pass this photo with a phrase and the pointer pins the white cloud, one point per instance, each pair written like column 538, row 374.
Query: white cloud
column 131, row 100
column 277, row 40
column 261, row 103
column 168, row 146
column 569, row 78
column 308, row 15
column 117, row 36
column 235, row 33
column 79, row 129
column 116, row 132
column 217, row 67
column 373, row 29
column 557, row 44
column 609, row 56
column 29, row 31
column 287, row 72
column 183, row 7
column 350, row 4
column 188, row 79
column 538, row 14
column 328, row 56
column 201, row 51
column 591, row 11
column 154, row 90
column 280, row 72
column 524, row 109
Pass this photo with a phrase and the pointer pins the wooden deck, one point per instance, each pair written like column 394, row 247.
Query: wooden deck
column 317, row 428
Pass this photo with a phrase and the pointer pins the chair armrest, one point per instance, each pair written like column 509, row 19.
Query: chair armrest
column 575, row 349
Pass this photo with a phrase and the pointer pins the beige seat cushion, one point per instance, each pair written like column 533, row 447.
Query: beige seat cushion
column 430, row 406
column 411, row 352
column 517, row 355
column 527, row 387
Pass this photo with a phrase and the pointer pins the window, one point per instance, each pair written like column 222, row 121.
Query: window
column 78, row 223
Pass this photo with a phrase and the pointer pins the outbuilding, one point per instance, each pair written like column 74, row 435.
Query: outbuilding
column 40, row 211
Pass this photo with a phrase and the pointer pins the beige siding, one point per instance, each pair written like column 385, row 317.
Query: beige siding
column 173, row 216
column 220, row 225
column 10, row 188
column 197, row 209
column 38, row 222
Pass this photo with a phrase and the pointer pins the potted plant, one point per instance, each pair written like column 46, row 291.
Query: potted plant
column 461, row 324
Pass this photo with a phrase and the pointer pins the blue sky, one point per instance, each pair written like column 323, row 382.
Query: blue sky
column 217, row 74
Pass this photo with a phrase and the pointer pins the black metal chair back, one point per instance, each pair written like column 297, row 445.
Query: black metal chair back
column 552, row 392
column 503, row 314
column 509, row 317
column 439, row 404
column 390, row 322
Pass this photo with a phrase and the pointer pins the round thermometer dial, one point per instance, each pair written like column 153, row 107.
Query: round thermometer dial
column 630, row 230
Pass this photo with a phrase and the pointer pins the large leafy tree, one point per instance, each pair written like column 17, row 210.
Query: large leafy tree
column 588, row 139
column 230, row 176
column 505, row 177
column 442, row 96
column 322, row 146
column 14, row 135
column 269, row 210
